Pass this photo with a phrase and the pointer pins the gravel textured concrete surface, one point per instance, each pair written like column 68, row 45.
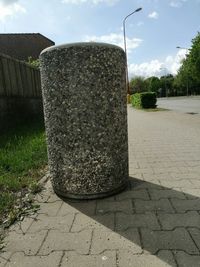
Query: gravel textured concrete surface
column 155, row 222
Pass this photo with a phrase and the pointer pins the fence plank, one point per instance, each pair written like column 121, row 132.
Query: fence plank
column 18, row 78
column 2, row 81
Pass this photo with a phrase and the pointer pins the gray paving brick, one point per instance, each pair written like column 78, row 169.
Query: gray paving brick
column 141, row 184
column 133, row 194
column 82, row 222
column 188, row 219
column 50, row 208
column 148, row 220
column 195, row 233
column 182, row 183
column 108, row 206
column 192, row 193
column 21, row 260
column 166, row 193
column 195, row 182
column 185, row 260
column 86, row 207
column 162, row 205
column 178, row 239
column 22, row 226
column 186, row 205
column 57, row 240
column 45, row 222
column 163, row 259
column 28, row 243
column 109, row 240
column 2, row 262
column 106, row 259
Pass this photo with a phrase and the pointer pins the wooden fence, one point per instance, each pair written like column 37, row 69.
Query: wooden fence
column 18, row 79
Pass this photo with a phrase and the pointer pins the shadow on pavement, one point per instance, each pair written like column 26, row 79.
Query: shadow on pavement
column 146, row 218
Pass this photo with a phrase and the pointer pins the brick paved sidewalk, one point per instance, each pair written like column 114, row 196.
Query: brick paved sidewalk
column 155, row 222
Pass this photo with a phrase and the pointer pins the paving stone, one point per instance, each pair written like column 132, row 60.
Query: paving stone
column 124, row 221
column 45, row 222
column 192, row 193
column 106, row 259
column 82, row 222
column 50, row 208
column 188, row 219
column 168, row 193
column 22, row 226
column 140, row 184
column 195, row 183
column 108, row 206
column 163, row 259
column 57, row 240
column 195, row 233
column 43, row 196
column 130, row 194
column 53, row 197
column 21, row 260
column 178, row 239
column 27, row 243
column 2, row 262
column 186, row 205
column 86, row 207
column 183, row 183
column 110, row 240
column 185, row 260
column 162, row 205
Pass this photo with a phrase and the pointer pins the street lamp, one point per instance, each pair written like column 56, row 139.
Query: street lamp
column 124, row 30
column 182, row 48
column 187, row 85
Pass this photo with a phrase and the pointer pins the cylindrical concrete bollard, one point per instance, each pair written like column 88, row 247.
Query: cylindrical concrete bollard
column 84, row 97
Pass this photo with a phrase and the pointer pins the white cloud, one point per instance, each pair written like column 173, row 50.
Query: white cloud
column 9, row 8
column 153, row 15
column 116, row 39
column 158, row 68
column 145, row 69
column 177, row 3
column 95, row 2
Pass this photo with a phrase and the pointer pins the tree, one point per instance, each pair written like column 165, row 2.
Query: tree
column 188, row 76
column 138, row 85
column 154, row 84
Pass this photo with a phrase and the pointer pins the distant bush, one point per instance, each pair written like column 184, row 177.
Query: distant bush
column 144, row 100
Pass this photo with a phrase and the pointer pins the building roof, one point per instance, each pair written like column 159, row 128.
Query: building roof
column 23, row 45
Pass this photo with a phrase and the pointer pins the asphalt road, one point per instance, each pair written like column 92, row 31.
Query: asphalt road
column 190, row 104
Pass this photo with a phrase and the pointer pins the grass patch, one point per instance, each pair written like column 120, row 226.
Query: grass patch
column 23, row 157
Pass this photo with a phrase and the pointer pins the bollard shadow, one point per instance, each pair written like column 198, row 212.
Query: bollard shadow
column 146, row 218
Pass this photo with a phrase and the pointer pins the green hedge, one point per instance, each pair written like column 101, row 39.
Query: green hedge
column 144, row 100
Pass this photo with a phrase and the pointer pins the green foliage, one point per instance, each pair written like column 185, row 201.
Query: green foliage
column 166, row 83
column 33, row 62
column 22, row 158
column 187, row 80
column 154, row 84
column 138, row 85
column 144, row 100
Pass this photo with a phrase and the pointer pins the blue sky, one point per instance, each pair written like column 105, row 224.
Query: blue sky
column 152, row 34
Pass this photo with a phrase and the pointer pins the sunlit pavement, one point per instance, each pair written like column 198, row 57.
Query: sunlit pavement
column 155, row 222
column 185, row 104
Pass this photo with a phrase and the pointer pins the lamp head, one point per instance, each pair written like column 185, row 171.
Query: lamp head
column 138, row 9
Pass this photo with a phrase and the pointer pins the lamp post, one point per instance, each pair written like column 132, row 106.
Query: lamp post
column 124, row 31
column 187, row 82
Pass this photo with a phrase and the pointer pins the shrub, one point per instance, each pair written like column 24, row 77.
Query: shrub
column 144, row 100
